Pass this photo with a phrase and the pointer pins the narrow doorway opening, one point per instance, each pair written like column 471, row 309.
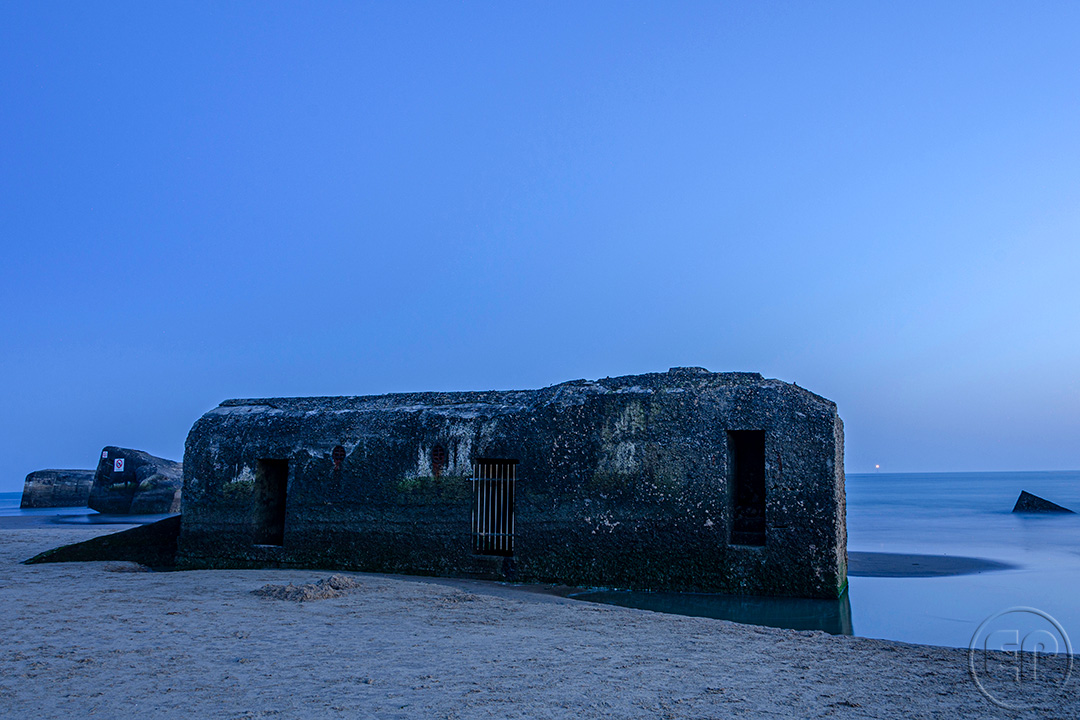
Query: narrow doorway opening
column 747, row 454
column 271, row 481
column 493, row 506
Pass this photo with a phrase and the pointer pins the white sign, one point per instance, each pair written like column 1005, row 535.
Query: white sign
column 118, row 465
column 104, row 454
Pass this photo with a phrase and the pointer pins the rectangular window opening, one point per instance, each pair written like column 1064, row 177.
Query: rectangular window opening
column 271, row 480
column 493, row 506
column 747, row 455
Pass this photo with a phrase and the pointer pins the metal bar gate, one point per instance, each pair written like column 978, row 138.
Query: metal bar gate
column 493, row 507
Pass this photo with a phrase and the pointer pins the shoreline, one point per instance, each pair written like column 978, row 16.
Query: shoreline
column 82, row 638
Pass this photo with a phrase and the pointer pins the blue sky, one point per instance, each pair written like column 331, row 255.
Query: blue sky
column 878, row 201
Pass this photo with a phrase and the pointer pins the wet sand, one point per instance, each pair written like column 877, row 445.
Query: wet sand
column 898, row 565
column 95, row 639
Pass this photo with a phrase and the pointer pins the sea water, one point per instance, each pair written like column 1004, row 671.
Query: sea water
column 9, row 507
column 968, row 515
column 943, row 515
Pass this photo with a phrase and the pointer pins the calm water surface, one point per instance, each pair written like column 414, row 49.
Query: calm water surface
column 9, row 508
column 966, row 514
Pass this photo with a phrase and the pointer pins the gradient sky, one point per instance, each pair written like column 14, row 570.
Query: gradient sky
column 879, row 201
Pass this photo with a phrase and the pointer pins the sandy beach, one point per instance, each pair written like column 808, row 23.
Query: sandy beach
column 99, row 640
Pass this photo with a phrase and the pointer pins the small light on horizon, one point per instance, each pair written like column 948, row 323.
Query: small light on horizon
column 877, row 467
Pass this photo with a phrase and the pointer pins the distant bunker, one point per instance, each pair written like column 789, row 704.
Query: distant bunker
column 57, row 488
column 133, row 482
column 681, row 481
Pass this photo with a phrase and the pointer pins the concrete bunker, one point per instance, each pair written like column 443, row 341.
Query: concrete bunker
column 686, row 480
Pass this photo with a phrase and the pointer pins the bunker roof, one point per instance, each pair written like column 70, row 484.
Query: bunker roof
column 573, row 392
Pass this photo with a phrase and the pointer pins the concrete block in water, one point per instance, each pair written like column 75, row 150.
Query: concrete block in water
column 1028, row 503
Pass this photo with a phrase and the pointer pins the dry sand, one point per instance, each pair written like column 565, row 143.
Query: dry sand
column 90, row 640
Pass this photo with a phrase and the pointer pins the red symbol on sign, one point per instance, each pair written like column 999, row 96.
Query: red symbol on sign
column 118, row 465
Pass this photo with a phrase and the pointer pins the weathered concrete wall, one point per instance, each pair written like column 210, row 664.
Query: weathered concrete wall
column 136, row 483
column 57, row 488
column 622, row 482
